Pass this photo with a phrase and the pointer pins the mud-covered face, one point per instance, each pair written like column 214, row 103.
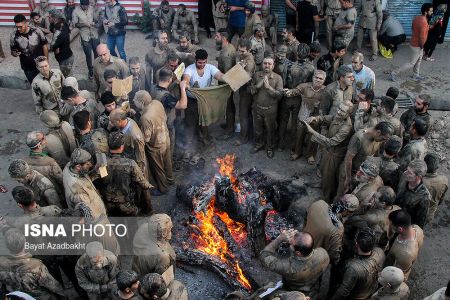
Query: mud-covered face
column 318, row 79
column 267, row 65
column 165, row 8
column 281, row 53
column 349, row 78
column 183, row 43
column 163, row 40
column 135, row 69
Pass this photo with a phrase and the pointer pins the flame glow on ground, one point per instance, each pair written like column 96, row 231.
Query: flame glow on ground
column 210, row 240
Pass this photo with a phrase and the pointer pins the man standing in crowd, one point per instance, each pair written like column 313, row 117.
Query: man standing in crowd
column 364, row 76
column 371, row 17
column 83, row 18
column 236, row 20
column 344, row 26
column 332, row 10
column 28, row 43
column 307, row 16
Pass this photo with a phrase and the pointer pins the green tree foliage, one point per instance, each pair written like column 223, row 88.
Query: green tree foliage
column 144, row 22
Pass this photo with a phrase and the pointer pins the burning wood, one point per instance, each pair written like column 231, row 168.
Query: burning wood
column 231, row 215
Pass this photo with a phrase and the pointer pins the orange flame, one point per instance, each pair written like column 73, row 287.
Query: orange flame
column 210, row 240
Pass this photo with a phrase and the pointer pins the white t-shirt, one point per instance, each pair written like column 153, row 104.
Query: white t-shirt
column 203, row 81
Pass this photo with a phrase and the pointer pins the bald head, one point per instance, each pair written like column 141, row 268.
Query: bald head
column 103, row 53
column 303, row 242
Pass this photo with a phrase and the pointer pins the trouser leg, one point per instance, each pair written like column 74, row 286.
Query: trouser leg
column 87, row 49
column 419, row 56
column 359, row 38
column 66, row 66
column 111, row 42
column 94, row 43
column 245, row 119
column 299, row 138
column 258, row 121
column 191, row 122
column 30, row 74
column 284, row 119
column 374, row 41
column 120, row 42
column 416, row 53
column 270, row 125
column 329, row 168
column 156, row 166
column 230, row 115
column 2, row 53
column 330, row 23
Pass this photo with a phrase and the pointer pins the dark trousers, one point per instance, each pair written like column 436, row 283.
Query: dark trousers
column 160, row 165
column 301, row 138
column 191, row 125
column 291, row 19
column 391, row 42
column 289, row 108
column 245, row 113
column 89, row 47
column 265, row 122
column 232, row 30
column 305, row 35
column 30, row 74
column 430, row 44
column 230, row 115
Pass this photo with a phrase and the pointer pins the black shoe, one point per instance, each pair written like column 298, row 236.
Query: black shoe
column 270, row 153
column 91, row 75
column 256, row 149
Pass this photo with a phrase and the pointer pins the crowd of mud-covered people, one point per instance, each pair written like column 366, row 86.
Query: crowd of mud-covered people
column 380, row 182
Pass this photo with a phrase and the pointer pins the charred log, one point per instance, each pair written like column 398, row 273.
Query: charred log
column 224, row 270
column 225, row 233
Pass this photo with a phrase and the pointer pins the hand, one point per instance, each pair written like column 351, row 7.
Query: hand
column 308, row 127
column 311, row 119
column 183, row 85
column 260, row 84
column 266, row 82
column 15, row 53
column 233, row 8
column 289, row 234
column 287, row 92
column 243, row 63
column 364, row 106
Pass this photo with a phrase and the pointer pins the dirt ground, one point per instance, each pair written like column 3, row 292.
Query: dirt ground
column 17, row 117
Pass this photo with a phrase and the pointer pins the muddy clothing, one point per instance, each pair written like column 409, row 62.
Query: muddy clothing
column 334, row 145
column 333, row 96
column 402, row 293
column 135, row 145
column 403, row 253
column 155, row 59
column 398, row 127
column 61, row 143
column 153, row 123
column 124, row 175
column 281, row 68
column 185, row 23
column 270, row 25
column 226, row 59
column 115, row 296
column 97, row 282
column 330, row 65
column 389, row 171
column 187, row 56
column 151, row 256
column 365, row 191
column 68, row 111
column 140, row 83
column 117, row 64
column 245, row 98
column 371, row 15
column 360, row 276
column 83, row 20
column 81, row 189
column 265, row 106
column 258, row 48
column 302, row 274
column 414, row 149
column 292, row 49
column 177, row 290
column 310, row 101
column 437, row 185
column 300, row 72
column 375, row 218
column 408, row 117
column 325, row 232
column 46, row 92
column 250, row 21
column 95, row 141
column 29, row 275
column 361, row 145
column 164, row 19
column 416, row 201
column 45, row 165
column 347, row 16
column 29, row 45
column 44, row 190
